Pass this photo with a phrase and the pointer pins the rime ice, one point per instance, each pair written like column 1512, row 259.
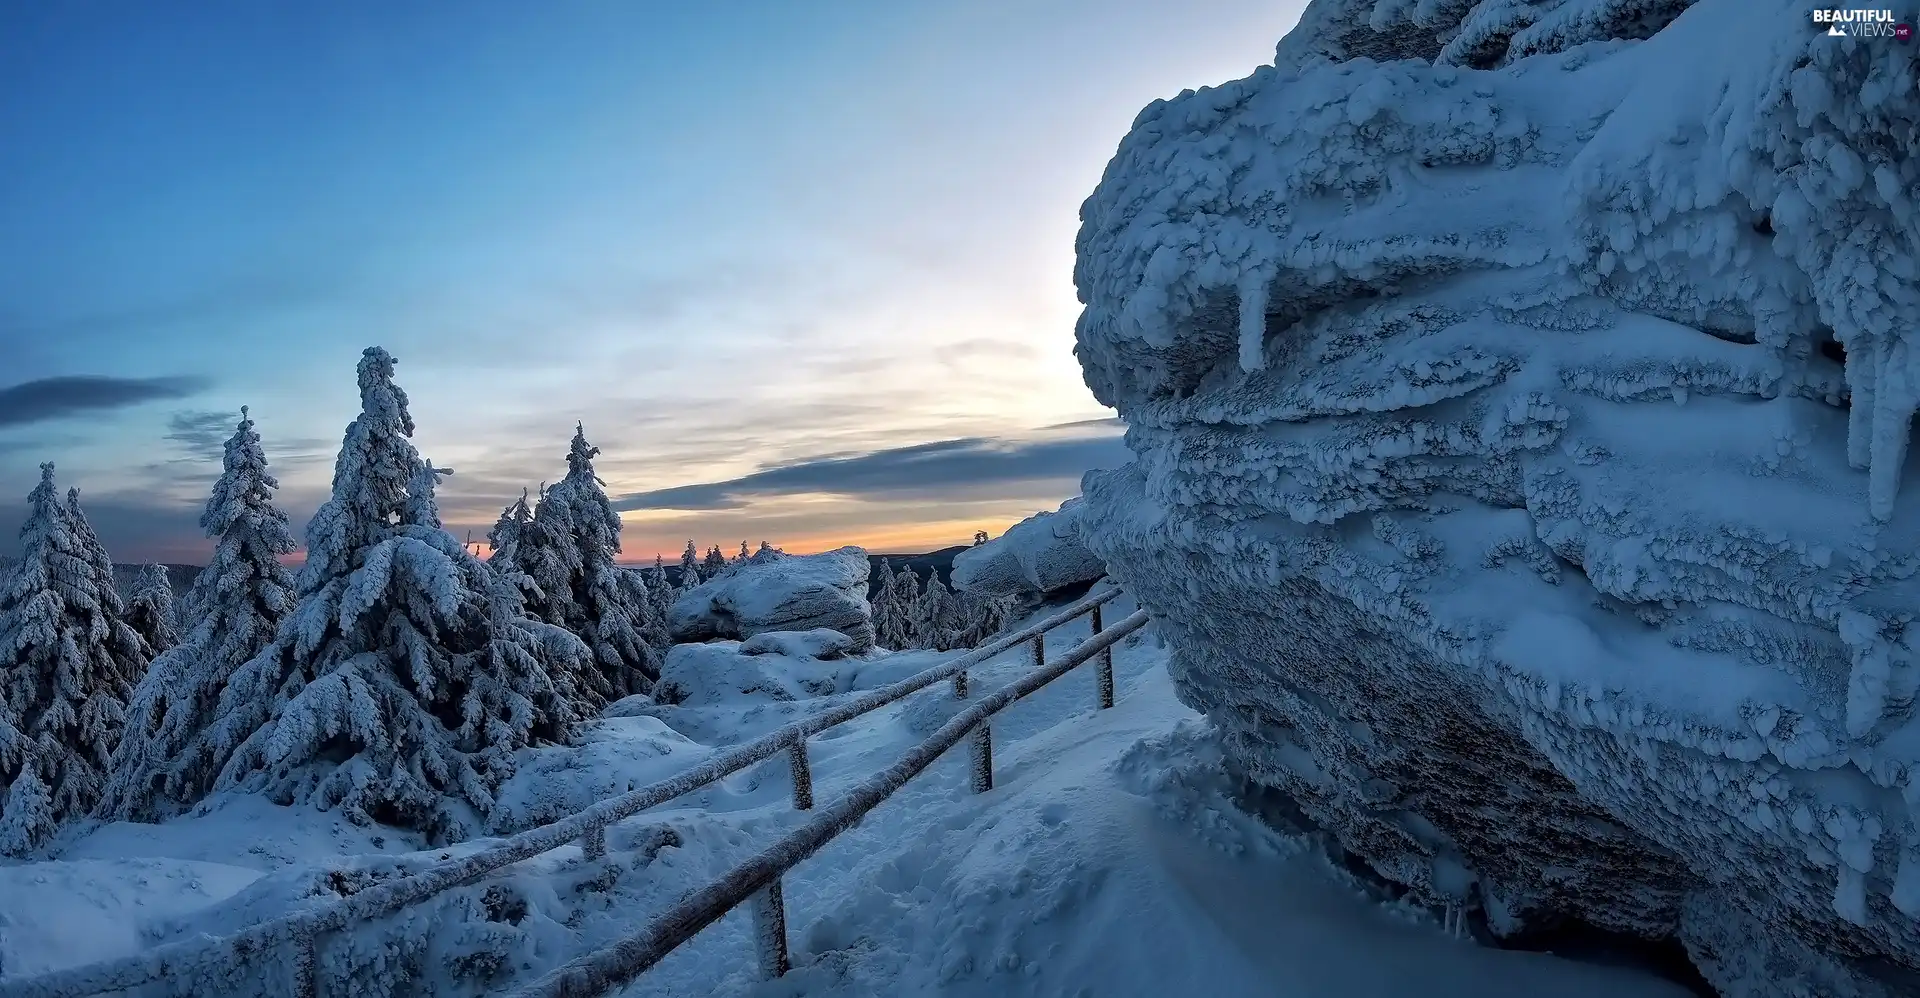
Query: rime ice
column 1498, row 479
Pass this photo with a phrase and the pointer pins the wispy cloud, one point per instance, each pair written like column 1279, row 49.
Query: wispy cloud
column 202, row 433
column 968, row 465
column 985, row 349
column 56, row 398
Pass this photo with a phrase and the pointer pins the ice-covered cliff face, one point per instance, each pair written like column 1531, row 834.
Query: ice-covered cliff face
column 1520, row 392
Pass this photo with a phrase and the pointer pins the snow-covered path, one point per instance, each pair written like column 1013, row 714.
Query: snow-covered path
column 1108, row 860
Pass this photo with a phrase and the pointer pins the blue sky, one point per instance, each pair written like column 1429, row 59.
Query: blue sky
column 804, row 270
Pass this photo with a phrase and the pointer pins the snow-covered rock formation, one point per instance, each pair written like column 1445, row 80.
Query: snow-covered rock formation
column 1520, row 392
column 780, row 592
column 773, row 666
column 1038, row 555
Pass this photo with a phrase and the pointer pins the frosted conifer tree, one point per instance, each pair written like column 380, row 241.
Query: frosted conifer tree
column 167, row 758
column 64, row 659
column 503, row 541
column 766, row 552
column 652, row 616
column 715, row 563
column 658, row 586
column 150, row 610
column 689, row 567
column 985, row 616
column 745, row 555
column 96, row 555
column 550, row 559
column 937, row 617
column 101, row 566
column 408, row 673
column 602, row 605
column 906, row 593
column 884, row 607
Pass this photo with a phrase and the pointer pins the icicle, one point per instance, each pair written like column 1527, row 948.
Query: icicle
column 1253, row 318
column 1850, row 895
column 1861, row 367
column 1893, row 406
column 1867, row 683
column 1906, row 881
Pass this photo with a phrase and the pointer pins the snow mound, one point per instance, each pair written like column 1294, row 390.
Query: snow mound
column 1039, row 555
column 819, row 643
column 1520, row 394
column 780, row 592
column 777, row 666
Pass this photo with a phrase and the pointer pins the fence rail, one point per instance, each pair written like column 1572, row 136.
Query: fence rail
column 296, row 935
column 758, row 879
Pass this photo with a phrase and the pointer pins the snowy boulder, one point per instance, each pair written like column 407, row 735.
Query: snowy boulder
column 776, row 667
column 820, row 643
column 1519, row 435
column 783, row 592
column 1038, row 555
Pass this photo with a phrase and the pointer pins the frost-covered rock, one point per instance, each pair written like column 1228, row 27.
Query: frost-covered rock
column 1038, row 555
column 782, row 593
column 820, row 643
column 1519, row 450
column 775, row 666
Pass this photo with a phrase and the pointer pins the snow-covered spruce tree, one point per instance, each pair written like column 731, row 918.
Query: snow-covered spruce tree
column 150, row 610
column 986, row 616
column 503, row 541
column 603, row 606
column 937, row 617
column 653, row 618
column 715, row 563
column 882, row 603
column 167, row 758
column 408, row 674
column 743, row 557
column 896, row 631
column 64, row 658
column 689, row 567
column 659, row 591
column 112, row 607
column 767, row 552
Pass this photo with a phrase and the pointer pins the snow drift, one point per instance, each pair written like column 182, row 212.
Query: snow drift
column 780, row 592
column 1520, row 394
column 777, row 666
column 1039, row 555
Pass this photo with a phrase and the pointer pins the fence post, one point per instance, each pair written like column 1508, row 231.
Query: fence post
column 982, row 745
column 1106, row 664
column 306, row 964
column 802, row 774
column 593, row 842
column 960, row 685
column 770, row 931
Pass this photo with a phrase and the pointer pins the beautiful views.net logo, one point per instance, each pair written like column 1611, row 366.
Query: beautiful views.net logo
column 1862, row 24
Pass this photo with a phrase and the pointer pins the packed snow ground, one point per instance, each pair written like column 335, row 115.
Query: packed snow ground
column 1108, row 860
